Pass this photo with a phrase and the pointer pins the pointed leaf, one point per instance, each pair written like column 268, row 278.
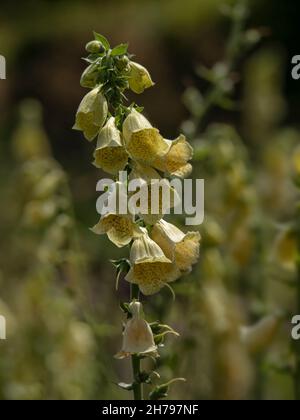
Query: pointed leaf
column 119, row 50
column 102, row 39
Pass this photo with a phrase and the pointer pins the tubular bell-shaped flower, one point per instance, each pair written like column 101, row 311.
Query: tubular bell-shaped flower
column 120, row 228
column 143, row 142
column 160, row 195
column 175, row 162
column 91, row 114
column 179, row 247
column 137, row 336
column 110, row 155
column 139, row 78
column 150, row 268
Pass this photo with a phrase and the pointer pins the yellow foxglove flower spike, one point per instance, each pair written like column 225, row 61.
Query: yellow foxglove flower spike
column 150, row 268
column 175, row 162
column 179, row 247
column 110, row 155
column 91, row 114
column 142, row 141
column 139, row 78
column 137, row 337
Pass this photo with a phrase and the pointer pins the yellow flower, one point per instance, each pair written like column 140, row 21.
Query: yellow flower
column 110, row 154
column 150, row 268
column 159, row 195
column 120, row 229
column 181, row 248
column 175, row 162
column 137, row 336
column 91, row 114
column 139, row 78
column 143, row 142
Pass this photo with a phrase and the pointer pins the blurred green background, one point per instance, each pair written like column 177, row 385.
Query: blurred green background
column 56, row 283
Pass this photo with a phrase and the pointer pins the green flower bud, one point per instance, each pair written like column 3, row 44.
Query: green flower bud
column 89, row 76
column 94, row 47
column 122, row 63
column 139, row 78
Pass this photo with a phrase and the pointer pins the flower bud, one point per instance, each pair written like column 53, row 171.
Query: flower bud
column 94, row 47
column 89, row 76
column 139, row 78
column 91, row 114
column 122, row 63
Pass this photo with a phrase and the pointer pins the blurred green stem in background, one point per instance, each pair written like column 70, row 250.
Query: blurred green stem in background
column 220, row 76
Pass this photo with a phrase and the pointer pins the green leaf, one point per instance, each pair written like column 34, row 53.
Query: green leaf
column 139, row 109
column 159, row 392
column 119, row 50
column 102, row 39
column 156, row 327
column 125, row 308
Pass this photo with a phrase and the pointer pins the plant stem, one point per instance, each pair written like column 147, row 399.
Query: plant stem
column 137, row 387
column 135, row 360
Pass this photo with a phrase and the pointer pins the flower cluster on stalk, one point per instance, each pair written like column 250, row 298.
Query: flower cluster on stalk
column 160, row 253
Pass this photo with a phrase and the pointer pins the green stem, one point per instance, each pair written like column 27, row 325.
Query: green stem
column 135, row 360
column 136, row 369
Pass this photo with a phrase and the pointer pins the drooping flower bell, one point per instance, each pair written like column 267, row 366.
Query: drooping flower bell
column 176, row 160
column 157, row 194
column 143, row 142
column 179, row 247
column 150, row 269
column 110, row 155
column 91, row 114
column 137, row 336
column 139, row 78
column 120, row 228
